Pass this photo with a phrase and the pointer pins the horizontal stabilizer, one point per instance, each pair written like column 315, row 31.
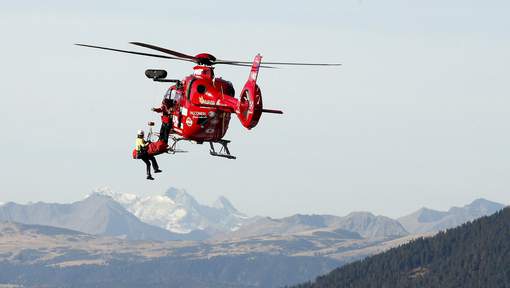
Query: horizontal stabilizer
column 272, row 111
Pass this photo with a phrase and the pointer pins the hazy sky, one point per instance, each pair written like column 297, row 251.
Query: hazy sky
column 417, row 116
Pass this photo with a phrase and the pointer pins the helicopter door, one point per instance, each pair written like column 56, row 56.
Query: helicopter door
column 176, row 97
column 183, row 109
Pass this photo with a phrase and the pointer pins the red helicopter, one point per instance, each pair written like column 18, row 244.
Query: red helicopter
column 203, row 103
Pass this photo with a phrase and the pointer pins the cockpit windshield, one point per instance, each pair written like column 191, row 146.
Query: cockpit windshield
column 173, row 94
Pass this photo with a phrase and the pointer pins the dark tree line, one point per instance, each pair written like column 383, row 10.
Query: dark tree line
column 476, row 254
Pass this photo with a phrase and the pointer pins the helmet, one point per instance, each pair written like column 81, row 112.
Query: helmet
column 140, row 132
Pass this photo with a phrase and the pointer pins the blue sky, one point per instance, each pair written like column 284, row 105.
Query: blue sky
column 417, row 116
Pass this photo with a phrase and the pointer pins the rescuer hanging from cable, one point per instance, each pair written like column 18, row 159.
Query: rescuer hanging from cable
column 142, row 153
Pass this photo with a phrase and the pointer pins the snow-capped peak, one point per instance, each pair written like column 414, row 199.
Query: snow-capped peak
column 104, row 190
column 181, row 196
column 224, row 204
column 175, row 193
column 122, row 198
column 178, row 211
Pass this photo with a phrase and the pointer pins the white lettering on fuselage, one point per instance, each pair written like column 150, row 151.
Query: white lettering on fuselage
column 198, row 114
column 205, row 101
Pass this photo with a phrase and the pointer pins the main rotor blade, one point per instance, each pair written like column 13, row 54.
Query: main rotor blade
column 133, row 52
column 164, row 50
column 302, row 64
column 279, row 63
column 244, row 65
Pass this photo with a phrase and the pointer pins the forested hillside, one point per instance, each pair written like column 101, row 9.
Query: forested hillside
column 476, row 254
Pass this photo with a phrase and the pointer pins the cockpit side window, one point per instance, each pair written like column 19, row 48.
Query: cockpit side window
column 177, row 95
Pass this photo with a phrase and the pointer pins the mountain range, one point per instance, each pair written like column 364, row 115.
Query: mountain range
column 428, row 220
column 176, row 215
column 229, row 249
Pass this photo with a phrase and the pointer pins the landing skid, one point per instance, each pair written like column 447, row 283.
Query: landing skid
column 224, row 152
column 172, row 149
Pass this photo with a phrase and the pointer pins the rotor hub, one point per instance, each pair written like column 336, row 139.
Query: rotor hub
column 205, row 59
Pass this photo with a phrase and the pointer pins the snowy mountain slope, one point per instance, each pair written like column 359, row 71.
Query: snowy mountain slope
column 179, row 212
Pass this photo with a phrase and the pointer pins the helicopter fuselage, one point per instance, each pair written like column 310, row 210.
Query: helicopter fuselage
column 201, row 110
